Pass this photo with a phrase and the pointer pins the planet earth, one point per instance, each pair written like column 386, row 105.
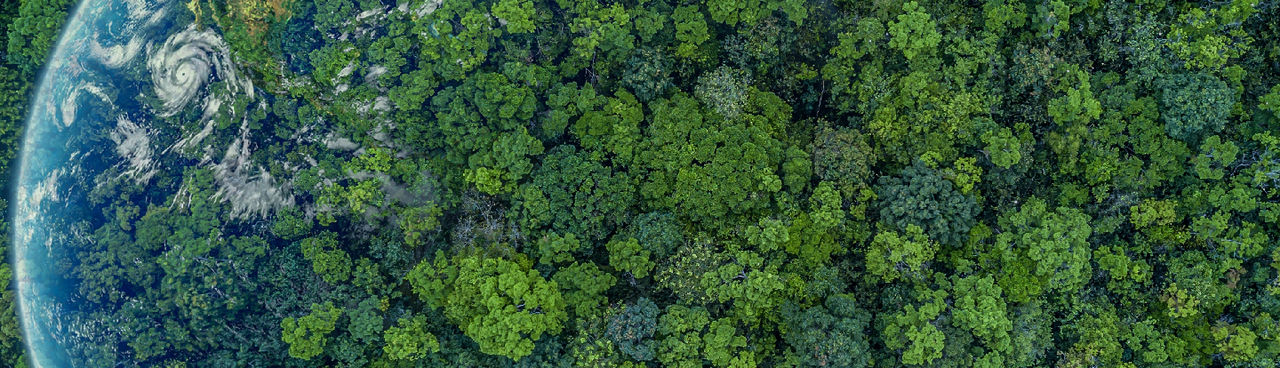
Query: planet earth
column 136, row 94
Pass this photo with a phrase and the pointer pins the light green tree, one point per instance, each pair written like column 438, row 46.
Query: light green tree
column 691, row 31
column 516, row 14
column 680, row 331
column 409, row 339
column 501, row 304
column 1077, row 104
column 914, row 33
column 628, row 256
column 1236, row 343
column 895, row 256
column 327, row 260
column 584, row 286
column 1003, row 148
column 307, row 335
column 913, row 332
column 1043, row 249
column 978, row 305
column 724, row 347
column 552, row 248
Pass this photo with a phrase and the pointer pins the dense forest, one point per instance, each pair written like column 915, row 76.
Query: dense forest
column 723, row 183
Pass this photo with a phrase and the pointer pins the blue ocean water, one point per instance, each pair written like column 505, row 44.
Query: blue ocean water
column 87, row 127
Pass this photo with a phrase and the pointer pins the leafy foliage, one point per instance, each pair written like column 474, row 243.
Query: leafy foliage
column 632, row 329
column 1044, row 249
column 725, row 183
column 1196, row 105
column 410, row 340
column 921, row 197
column 628, row 256
column 501, row 305
column 830, row 335
column 570, row 192
column 894, row 256
column 914, row 32
column 306, row 335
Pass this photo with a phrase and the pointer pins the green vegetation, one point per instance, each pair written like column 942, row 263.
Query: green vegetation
column 723, row 183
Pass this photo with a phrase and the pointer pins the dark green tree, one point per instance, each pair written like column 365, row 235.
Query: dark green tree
column 1194, row 105
column 632, row 329
column 920, row 196
column 832, row 335
column 572, row 193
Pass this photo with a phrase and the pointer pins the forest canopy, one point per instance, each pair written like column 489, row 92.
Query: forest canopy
column 719, row 183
